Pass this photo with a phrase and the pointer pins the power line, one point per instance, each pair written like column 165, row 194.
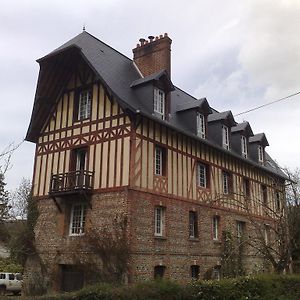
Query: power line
column 269, row 103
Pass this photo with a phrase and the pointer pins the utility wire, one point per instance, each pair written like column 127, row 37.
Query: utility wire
column 269, row 103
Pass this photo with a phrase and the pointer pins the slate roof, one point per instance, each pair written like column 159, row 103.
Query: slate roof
column 153, row 77
column 259, row 138
column 119, row 74
column 201, row 103
column 245, row 127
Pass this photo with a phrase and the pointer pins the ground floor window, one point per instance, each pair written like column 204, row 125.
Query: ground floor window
column 159, row 272
column 77, row 220
column 195, row 270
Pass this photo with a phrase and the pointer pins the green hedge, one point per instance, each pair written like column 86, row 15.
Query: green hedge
column 251, row 288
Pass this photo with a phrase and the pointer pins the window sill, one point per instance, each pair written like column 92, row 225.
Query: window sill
column 217, row 241
column 157, row 237
column 194, row 239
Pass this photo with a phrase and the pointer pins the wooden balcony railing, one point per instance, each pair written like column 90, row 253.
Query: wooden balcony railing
column 71, row 182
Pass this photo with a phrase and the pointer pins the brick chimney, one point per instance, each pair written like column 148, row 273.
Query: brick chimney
column 153, row 55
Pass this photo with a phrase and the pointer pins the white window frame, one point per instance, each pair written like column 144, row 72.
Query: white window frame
column 225, row 177
column 267, row 234
column 159, row 102
column 158, row 161
column 159, row 220
column 77, row 226
column 260, row 151
column 225, row 137
column 240, row 228
column 193, row 228
column 84, row 104
column 201, row 175
column 244, row 146
column 200, row 125
column 215, row 227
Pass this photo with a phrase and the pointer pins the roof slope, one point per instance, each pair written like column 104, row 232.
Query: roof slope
column 118, row 73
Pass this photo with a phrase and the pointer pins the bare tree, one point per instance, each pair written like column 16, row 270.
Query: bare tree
column 293, row 214
column 270, row 236
column 20, row 199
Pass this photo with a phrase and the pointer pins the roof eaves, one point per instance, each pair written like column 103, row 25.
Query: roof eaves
column 209, row 143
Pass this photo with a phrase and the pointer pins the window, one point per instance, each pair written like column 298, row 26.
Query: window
column 81, row 155
column 227, row 183
column 215, row 227
column 200, row 125
column 159, row 272
column 225, row 137
column 267, row 234
column 264, row 195
column 2, row 276
column 240, row 229
column 277, row 200
column 202, row 175
column 195, row 270
column 244, row 146
column 160, row 161
column 84, row 104
column 78, row 164
column 246, row 188
column 159, row 227
column 159, row 103
column 260, row 154
column 77, row 222
column 193, row 224
column 216, row 274
column 11, row 276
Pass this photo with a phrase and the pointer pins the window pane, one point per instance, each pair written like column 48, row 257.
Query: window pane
column 159, row 102
column 84, row 105
column 200, row 125
column 158, row 161
column 215, row 228
column 78, row 216
column 193, row 224
column 159, row 221
column 201, row 170
column 225, row 183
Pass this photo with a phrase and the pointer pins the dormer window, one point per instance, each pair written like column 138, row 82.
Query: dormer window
column 159, row 103
column 244, row 146
column 260, row 154
column 225, row 137
column 200, row 125
column 84, row 104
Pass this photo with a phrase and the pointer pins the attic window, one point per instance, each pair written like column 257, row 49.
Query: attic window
column 84, row 104
column 260, row 154
column 200, row 125
column 244, row 146
column 159, row 103
column 225, row 137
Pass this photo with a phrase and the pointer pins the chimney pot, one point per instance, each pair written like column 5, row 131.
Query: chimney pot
column 160, row 36
column 151, row 38
column 166, row 34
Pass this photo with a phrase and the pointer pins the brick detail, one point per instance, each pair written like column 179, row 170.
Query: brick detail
column 153, row 56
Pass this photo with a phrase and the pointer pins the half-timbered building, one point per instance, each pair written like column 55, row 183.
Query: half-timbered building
column 115, row 137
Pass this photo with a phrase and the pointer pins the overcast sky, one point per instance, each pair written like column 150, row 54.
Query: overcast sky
column 237, row 54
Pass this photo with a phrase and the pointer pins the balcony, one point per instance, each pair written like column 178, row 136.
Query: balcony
column 71, row 183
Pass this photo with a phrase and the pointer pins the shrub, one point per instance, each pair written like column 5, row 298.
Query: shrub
column 244, row 288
